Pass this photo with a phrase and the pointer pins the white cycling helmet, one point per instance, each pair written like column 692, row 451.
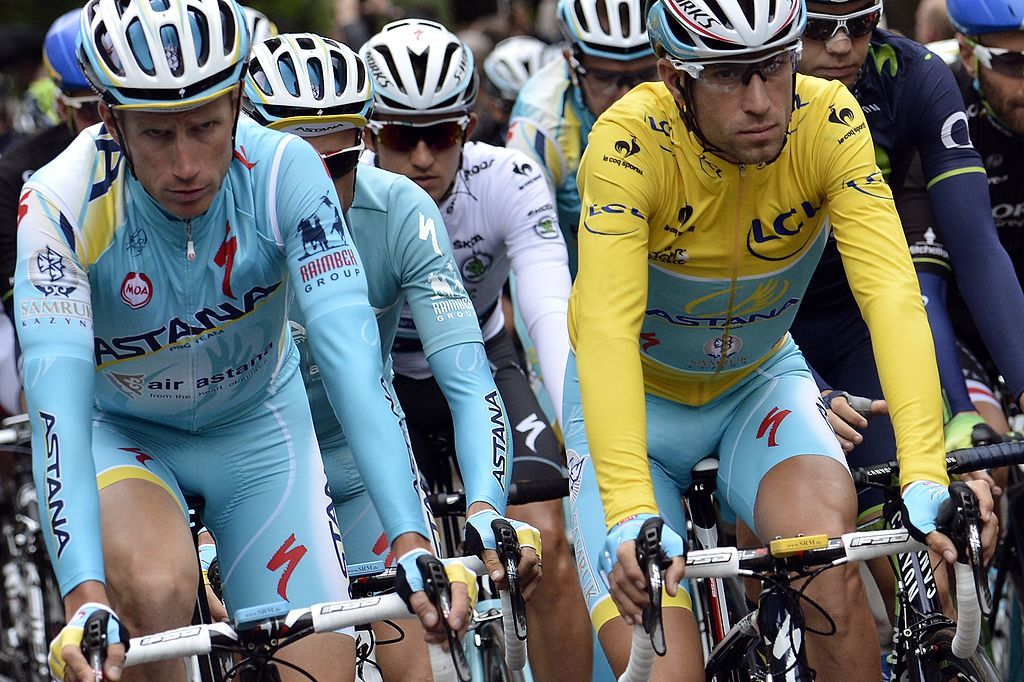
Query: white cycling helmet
column 420, row 67
column 259, row 26
column 622, row 35
column 169, row 55
column 513, row 61
column 708, row 30
column 308, row 85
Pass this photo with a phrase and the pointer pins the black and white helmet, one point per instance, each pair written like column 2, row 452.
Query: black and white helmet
column 420, row 67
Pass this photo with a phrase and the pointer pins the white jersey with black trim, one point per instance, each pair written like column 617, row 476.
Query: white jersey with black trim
column 501, row 218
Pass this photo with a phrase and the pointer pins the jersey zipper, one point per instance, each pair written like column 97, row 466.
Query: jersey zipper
column 190, row 248
column 190, row 255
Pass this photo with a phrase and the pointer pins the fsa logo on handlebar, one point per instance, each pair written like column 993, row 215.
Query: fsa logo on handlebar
column 706, row 559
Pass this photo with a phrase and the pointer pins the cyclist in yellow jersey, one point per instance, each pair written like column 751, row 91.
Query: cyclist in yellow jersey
column 706, row 202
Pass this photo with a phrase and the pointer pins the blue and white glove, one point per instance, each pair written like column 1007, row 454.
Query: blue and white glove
column 72, row 633
column 921, row 501
column 480, row 535
column 410, row 577
column 627, row 530
column 409, row 572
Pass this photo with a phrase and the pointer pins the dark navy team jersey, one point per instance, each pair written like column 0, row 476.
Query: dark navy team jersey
column 1003, row 153
column 912, row 104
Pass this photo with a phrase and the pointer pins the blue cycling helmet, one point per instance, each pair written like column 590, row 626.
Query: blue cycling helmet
column 975, row 17
column 59, row 53
column 622, row 36
column 167, row 55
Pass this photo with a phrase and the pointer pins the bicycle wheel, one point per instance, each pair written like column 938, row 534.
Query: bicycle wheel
column 940, row 665
column 492, row 655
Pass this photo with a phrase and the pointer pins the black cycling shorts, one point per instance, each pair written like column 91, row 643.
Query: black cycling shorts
column 537, row 454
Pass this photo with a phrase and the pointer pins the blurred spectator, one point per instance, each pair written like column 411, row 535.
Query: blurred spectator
column 931, row 22
column 357, row 20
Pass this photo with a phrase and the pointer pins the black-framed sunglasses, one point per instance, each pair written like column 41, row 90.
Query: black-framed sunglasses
column 823, row 27
column 404, row 137
column 606, row 81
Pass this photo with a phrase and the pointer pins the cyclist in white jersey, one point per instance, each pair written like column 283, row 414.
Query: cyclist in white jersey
column 156, row 257
column 500, row 217
column 408, row 258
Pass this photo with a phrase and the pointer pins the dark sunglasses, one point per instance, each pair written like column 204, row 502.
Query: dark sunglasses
column 607, row 81
column 822, row 27
column 999, row 59
column 404, row 137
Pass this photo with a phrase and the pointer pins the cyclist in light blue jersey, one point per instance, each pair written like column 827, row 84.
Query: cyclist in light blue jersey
column 157, row 256
column 405, row 250
column 608, row 54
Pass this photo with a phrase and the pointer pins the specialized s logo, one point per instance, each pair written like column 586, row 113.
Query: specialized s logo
column 240, row 155
column 23, row 206
column 225, row 258
column 842, row 117
column 54, row 484
column 648, row 340
column 770, row 425
column 289, row 557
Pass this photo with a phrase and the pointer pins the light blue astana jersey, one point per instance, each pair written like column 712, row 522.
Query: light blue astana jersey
column 115, row 315
column 404, row 247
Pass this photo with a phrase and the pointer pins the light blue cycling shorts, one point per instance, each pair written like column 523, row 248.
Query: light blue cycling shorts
column 367, row 547
column 774, row 414
column 262, row 480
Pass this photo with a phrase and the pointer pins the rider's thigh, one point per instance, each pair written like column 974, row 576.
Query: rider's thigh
column 683, row 659
column 149, row 557
column 404, row 661
column 268, row 508
column 778, row 424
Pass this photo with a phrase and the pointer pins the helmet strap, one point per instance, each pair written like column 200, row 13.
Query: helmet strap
column 123, row 141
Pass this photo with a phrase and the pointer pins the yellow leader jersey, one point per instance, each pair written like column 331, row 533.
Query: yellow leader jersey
column 692, row 269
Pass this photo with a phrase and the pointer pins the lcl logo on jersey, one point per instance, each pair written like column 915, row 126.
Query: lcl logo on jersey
column 778, row 239
column 136, row 290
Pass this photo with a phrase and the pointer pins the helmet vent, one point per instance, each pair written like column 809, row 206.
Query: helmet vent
column 201, row 32
column 316, row 78
column 106, row 51
column 228, row 26
column 286, row 67
column 139, row 46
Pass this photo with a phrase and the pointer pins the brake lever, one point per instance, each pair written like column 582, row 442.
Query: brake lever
column 510, row 553
column 94, row 641
column 961, row 522
column 653, row 561
column 439, row 592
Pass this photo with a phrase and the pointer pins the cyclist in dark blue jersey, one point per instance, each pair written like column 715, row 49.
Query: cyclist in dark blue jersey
column 912, row 105
column 989, row 71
